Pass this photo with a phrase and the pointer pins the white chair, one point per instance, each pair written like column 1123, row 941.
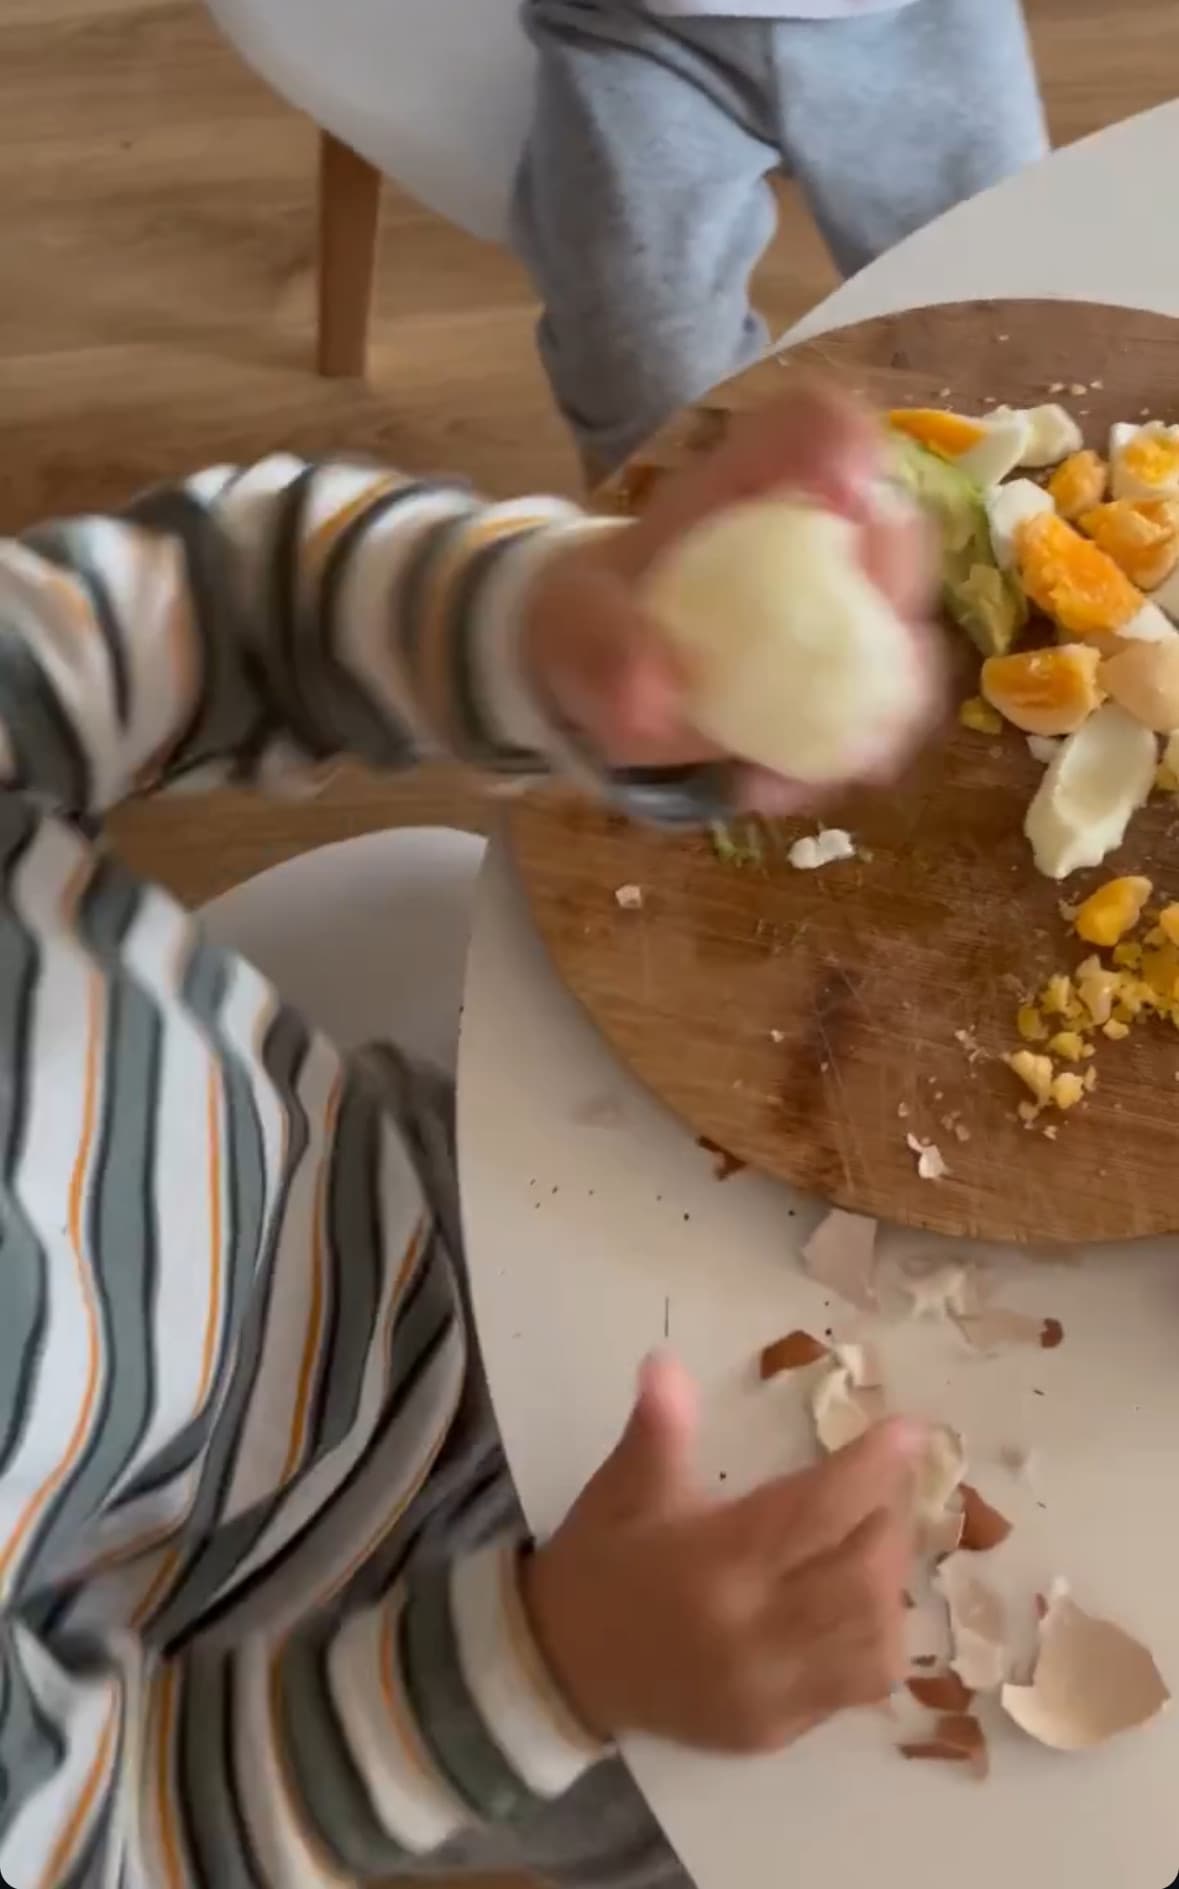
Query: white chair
column 433, row 93
column 367, row 938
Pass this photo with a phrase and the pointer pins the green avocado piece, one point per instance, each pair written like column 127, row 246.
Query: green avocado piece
column 983, row 600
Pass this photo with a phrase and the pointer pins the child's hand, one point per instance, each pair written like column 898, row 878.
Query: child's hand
column 588, row 639
column 735, row 1625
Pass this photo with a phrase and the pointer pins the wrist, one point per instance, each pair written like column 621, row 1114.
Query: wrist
column 557, row 1620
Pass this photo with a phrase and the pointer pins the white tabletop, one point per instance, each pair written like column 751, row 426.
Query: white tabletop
column 594, row 1227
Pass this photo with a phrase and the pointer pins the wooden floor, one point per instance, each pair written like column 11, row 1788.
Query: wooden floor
column 156, row 222
column 156, row 257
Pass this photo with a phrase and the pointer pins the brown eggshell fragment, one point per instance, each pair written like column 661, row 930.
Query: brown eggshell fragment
column 983, row 1527
column 962, row 1730
column 1092, row 1680
column 941, row 1692
column 841, row 1254
column 791, row 1353
column 726, row 1164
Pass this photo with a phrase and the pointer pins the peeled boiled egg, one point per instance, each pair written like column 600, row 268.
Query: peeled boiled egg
column 985, row 449
column 1007, row 507
column 1144, row 460
column 792, row 658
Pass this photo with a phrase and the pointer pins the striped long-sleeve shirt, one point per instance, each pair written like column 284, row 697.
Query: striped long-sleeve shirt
column 232, row 1345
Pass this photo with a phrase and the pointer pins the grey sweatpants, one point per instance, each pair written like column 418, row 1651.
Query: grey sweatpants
column 600, row 1835
column 644, row 198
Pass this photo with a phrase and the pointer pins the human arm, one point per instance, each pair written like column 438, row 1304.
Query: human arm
column 90, row 956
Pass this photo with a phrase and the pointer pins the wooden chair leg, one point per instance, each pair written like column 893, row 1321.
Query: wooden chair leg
column 349, row 206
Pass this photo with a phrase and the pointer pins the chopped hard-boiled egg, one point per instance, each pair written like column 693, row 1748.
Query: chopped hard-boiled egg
column 1148, row 625
column 1079, row 484
column 1007, row 507
column 985, row 449
column 1046, row 691
column 992, row 445
column 1141, row 536
column 1113, row 910
column 978, row 715
column 1166, row 596
column 1102, row 774
column 1052, row 434
column 1068, row 1089
column 1072, row 580
column 1143, row 678
column 1035, row 1072
column 1095, row 547
column 1144, row 460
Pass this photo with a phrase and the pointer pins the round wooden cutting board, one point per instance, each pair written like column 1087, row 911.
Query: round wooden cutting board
column 809, row 1022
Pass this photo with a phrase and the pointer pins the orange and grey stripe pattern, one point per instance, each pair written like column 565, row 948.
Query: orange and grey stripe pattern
column 234, row 1399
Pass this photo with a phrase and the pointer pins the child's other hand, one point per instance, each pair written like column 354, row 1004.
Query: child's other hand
column 738, row 1625
column 594, row 648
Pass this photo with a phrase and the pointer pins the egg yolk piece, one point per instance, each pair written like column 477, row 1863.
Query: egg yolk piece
column 946, row 433
column 1152, row 459
column 1072, row 580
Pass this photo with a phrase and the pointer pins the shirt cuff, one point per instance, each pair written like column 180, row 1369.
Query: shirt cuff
column 513, row 707
column 508, row 1678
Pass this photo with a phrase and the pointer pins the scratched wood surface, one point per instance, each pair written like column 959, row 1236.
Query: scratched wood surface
column 810, row 1021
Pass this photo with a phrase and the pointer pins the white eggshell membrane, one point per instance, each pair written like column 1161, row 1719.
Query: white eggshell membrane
column 794, row 659
column 841, row 1254
column 848, row 1398
column 1092, row 1680
column 978, row 1625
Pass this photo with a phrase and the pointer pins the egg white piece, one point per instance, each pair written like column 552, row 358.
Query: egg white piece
column 821, row 849
column 1148, row 625
column 1100, row 777
column 1043, row 748
column 1052, row 434
column 1001, row 449
column 1007, row 508
column 1166, row 596
column 1130, row 481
